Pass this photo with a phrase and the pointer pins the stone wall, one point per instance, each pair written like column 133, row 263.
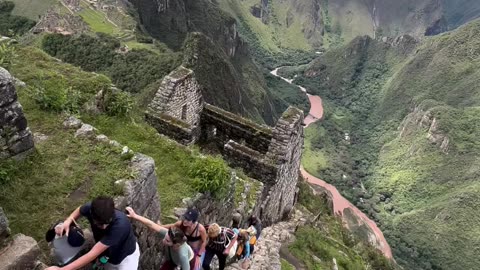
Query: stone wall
column 16, row 140
column 229, row 126
column 272, row 246
column 179, row 96
column 241, row 201
column 270, row 155
column 286, row 150
column 173, row 128
column 19, row 252
column 141, row 194
column 251, row 161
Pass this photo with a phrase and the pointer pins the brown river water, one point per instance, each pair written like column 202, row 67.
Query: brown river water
column 340, row 204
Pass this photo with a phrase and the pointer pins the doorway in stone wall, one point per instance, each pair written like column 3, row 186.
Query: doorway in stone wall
column 210, row 140
column 184, row 112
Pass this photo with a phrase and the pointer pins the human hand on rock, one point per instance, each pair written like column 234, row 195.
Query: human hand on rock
column 53, row 268
column 131, row 212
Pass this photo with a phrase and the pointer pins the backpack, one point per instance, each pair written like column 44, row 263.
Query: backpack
column 66, row 249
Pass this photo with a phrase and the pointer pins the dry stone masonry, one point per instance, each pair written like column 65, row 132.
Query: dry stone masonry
column 16, row 140
column 177, row 106
column 270, row 155
column 272, row 245
column 18, row 252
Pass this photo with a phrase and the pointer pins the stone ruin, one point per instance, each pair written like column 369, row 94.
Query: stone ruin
column 16, row 140
column 269, row 154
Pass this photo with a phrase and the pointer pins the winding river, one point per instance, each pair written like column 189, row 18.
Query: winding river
column 340, row 204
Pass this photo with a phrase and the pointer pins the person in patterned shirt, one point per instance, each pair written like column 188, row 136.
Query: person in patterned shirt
column 220, row 242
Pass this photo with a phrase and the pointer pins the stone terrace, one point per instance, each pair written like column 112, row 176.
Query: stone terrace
column 270, row 155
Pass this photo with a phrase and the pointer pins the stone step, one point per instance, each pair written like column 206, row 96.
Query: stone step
column 21, row 254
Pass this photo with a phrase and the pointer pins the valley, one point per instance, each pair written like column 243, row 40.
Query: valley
column 389, row 90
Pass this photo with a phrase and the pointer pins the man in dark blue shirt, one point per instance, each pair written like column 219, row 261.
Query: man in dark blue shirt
column 113, row 235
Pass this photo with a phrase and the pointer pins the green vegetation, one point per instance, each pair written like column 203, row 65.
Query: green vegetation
column 243, row 183
column 7, row 53
column 331, row 240
column 210, row 175
column 63, row 88
column 287, row 94
column 131, row 71
column 97, row 21
column 423, row 198
column 286, row 265
column 63, row 173
column 173, row 163
column 11, row 25
column 32, row 9
column 292, row 35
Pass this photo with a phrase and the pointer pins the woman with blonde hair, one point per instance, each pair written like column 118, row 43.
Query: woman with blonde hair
column 220, row 242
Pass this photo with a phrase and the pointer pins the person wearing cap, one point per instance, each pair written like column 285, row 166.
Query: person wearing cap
column 195, row 233
column 112, row 232
column 178, row 252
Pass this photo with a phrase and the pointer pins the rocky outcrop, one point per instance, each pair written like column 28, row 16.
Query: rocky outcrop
column 171, row 20
column 19, row 252
column 16, row 140
column 4, row 230
column 141, row 194
column 424, row 119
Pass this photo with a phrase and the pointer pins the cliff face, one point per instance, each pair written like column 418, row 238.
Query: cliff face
column 214, row 50
column 171, row 20
column 16, row 140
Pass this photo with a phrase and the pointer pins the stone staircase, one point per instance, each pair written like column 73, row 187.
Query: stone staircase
column 268, row 250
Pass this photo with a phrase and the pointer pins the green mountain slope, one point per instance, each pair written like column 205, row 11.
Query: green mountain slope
column 216, row 48
column 314, row 24
column 400, row 137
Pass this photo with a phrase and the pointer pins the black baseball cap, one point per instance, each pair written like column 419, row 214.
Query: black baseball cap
column 191, row 215
column 75, row 237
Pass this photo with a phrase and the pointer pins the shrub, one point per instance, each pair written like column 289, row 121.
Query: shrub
column 11, row 25
column 210, row 174
column 54, row 93
column 118, row 103
column 6, row 171
column 7, row 54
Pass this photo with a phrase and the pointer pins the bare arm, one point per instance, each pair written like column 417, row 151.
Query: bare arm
column 66, row 224
column 98, row 249
column 203, row 235
column 176, row 224
column 147, row 222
